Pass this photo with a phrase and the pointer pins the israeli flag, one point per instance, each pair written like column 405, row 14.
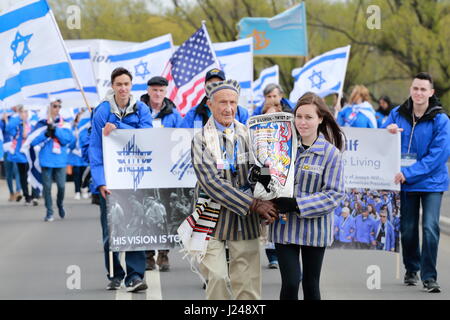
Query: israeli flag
column 32, row 154
column 33, row 56
column 144, row 60
column 323, row 75
column 267, row 76
column 236, row 61
column 72, row 98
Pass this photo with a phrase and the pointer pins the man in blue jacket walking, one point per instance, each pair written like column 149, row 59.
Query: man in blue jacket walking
column 119, row 110
column 54, row 141
column 425, row 145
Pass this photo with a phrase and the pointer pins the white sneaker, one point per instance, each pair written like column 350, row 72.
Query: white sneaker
column 77, row 196
column 85, row 193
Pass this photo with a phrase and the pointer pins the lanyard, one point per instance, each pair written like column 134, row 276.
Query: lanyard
column 231, row 162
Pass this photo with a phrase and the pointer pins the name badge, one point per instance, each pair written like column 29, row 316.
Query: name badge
column 312, row 168
column 157, row 123
column 408, row 159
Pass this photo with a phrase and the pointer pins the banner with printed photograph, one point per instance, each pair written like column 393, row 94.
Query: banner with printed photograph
column 369, row 215
column 150, row 175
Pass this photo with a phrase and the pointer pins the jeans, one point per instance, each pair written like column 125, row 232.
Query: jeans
column 12, row 173
column 77, row 177
column 59, row 174
column 291, row 272
column 272, row 255
column 413, row 259
column 135, row 260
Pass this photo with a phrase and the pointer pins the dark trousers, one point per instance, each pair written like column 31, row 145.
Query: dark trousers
column 135, row 260
column 291, row 271
column 362, row 245
column 23, row 172
column 78, row 177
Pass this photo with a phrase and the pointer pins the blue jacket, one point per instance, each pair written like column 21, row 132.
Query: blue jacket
column 63, row 133
column 430, row 141
column 346, row 229
column 286, row 105
column 2, row 125
column 137, row 116
column 169, row 115
column 364, row 229
column 75, row 157
column 381, row 118
column 14, row 129
column 201, row 113
column 344, row 119
column 389, row 233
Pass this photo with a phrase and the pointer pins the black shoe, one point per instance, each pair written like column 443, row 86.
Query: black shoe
column 431, row 286
column 114, row 284
column 62, row 213
column 136, row 285
column 411, row 278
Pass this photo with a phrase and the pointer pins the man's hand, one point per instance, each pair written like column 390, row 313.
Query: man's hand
column 265, row 209
column 393, row 128
column 104, row 191
column 399, row 178
column 109, row 127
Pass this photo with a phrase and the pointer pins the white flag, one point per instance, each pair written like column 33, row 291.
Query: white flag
column 236, row 61
column 72, row 98
column 267, row 76
column 33, row 57
column 322, row 75
column 144, row 60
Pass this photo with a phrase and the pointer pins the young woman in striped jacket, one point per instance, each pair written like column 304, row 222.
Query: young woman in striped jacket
column 307, row 227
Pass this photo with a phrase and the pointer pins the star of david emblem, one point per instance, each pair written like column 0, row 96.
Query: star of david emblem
column 133, row 161
column 222, row 65
column 16, row 44
column 141, row 69
column 316, row 79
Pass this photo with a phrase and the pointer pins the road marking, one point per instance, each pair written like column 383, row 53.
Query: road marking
column 153, row 280
column 122, row 293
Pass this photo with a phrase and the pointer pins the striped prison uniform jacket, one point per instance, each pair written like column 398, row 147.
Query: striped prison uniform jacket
column 318, row 188
column 235, row 222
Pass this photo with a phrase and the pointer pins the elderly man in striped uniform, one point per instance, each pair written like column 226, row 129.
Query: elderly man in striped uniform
column 220, row 154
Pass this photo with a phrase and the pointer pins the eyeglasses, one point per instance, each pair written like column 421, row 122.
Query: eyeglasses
column 56, row 106
column 383, row 216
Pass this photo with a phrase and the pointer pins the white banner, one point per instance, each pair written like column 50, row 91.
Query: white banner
column 372, row 158
column 148, row 158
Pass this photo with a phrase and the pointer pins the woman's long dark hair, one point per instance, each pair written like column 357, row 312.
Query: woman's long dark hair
column 329, row 127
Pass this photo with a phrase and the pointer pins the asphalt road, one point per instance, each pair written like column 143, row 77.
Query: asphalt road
column 64, row 260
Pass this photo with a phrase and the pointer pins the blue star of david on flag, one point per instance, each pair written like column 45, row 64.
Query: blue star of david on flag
column 15, row 45
column 141, row 69
column 316, row 79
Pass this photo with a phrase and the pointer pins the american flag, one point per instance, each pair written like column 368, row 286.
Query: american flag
column 187, row 69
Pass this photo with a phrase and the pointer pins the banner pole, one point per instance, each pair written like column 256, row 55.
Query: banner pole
column 397, row 276
column 111, row 264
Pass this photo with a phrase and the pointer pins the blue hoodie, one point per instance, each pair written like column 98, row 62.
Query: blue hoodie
column 137, row 115
column 63, row 133
column 75, row 155
column 430, row 141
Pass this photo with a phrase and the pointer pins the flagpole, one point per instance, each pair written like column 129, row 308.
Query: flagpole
column 69, row 60
column 213, row 52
